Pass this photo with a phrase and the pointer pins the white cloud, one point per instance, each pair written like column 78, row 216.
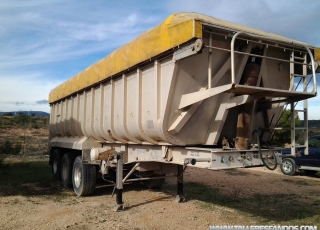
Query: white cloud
column 10, row 106
column 291, row 18
column 35, row 36
column 31, row 38
column 42, row 102
column 28, row 90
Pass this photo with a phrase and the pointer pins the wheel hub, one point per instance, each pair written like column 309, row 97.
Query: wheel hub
column 77, row 176
column 287, row 167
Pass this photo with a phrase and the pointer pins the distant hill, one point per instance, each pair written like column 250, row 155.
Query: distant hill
column 312, row 124
column 36, row 113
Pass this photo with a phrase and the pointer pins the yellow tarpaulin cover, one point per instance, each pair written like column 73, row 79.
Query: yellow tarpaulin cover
column 317, row 54
column 174, row 31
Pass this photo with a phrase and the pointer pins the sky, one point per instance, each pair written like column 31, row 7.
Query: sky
column 44, row 43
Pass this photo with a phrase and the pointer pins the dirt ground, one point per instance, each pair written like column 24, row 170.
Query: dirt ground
column 231, row 197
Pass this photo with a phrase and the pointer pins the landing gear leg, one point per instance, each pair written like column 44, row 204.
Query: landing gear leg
column 119, row 202
column 180, row 196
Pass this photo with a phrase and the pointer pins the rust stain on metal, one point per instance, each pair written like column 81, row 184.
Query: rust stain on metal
column 250, row 78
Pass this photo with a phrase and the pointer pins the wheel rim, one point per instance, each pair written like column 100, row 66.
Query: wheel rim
column 287, row 167
column 77, row 176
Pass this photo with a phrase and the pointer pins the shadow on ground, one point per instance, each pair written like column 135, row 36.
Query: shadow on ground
column 28, row 177
column 276, row 208
column 34, row 178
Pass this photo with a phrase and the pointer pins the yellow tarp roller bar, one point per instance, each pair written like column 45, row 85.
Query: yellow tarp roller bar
column 177, row 29
column 317, row 54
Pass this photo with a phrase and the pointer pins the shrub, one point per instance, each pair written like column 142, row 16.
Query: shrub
column 22, row 119
column 8, row 114
column 8, row 148
column 6, row 121
column 35, row 126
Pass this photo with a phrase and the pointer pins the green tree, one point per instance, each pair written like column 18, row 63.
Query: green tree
column 281, row 137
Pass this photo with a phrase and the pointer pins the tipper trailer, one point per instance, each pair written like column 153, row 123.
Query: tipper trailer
column 194, row 91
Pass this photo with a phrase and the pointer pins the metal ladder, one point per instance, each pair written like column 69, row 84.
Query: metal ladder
column 303, row 76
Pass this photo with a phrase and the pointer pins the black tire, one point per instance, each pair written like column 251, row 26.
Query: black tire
column 83, row 178
column 310, row 172
column 288, row 167
column 66, row 169
column 56, row 164
column 154, row 183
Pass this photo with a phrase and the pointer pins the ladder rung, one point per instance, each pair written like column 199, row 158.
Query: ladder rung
column 301, row 146
column 299, row 75
column 299, row 58
column 282, row 128
column 300, row 110
column 300, row 128
column 277, row 128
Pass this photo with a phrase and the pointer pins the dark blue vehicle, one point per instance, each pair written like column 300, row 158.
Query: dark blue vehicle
column 310, row 163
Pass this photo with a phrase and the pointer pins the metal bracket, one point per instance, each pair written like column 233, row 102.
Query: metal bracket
column 118, row 207
column 192, row 98
column 193, row 161
column 119, row 183
column 189, row 50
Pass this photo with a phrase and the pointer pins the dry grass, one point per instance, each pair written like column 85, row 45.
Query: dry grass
column 34, row 141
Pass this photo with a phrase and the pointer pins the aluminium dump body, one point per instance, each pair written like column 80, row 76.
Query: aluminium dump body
column 154, row 90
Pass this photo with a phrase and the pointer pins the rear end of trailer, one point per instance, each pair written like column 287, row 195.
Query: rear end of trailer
column 194, row 91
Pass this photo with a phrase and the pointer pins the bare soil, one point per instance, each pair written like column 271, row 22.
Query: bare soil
column 231, row 197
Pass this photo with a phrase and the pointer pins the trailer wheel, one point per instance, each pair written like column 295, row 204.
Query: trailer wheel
column 66, row 169
column 56, row 164
column 83, row 178
column 288, row 167
column 154, row 183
